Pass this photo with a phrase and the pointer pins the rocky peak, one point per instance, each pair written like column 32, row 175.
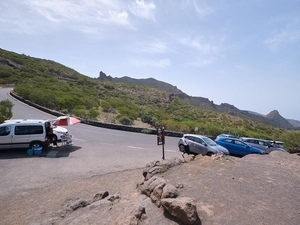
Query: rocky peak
column 230, row 109
column 278, row 120
column 274, row 115
column 103, row 76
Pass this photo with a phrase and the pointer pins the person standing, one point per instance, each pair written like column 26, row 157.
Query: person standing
column 49, row 133
column 186, row 145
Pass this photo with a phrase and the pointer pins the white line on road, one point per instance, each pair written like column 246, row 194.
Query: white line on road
column 135, row 147
column 77, row 139
column 170, row 151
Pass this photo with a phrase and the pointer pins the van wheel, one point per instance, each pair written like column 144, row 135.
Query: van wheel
column 35, row 144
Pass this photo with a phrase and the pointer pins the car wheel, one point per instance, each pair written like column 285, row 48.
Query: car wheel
column 209, row 154
column 181, row 148
column 184, row 149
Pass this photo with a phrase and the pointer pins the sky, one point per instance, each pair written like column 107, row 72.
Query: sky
column 242, row 52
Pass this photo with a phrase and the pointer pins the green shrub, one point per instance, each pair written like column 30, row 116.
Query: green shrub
column 5, row 110
column 64, row 111
column 93, row 114
column 129, row 111
column 147, row 118
column 125, row 121
column 109, row 86
column 80, row 111
column 146, row 131
column 291, row 141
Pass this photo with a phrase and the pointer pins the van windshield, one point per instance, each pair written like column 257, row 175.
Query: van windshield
column 4, row 131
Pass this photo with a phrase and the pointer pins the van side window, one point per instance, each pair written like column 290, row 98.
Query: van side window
column 36, row 130
column 26, row 130
column 21, row 130
column 4, row 131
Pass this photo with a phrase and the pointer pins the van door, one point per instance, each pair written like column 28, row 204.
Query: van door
column 6, row 135
column 25, row 134
column 21, row 137
column 37, row 133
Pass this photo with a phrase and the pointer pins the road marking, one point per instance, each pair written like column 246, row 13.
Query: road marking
column 170, row 151
column 77, row 139
column 135, row 147
column 106, row 143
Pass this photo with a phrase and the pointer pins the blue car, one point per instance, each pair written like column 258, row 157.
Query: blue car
column 237, row 147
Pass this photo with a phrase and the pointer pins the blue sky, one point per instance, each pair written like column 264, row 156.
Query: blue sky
column 246, row 53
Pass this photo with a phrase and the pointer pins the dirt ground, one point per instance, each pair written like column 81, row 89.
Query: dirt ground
column 256, row 189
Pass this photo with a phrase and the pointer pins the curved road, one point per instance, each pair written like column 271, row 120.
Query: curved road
column 95, row 151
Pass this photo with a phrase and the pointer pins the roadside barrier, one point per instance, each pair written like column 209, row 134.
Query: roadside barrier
column 97, row 123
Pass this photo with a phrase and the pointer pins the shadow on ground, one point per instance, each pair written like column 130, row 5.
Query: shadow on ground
column 49, row 152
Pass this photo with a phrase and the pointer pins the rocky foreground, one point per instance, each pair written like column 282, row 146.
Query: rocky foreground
column 256, row 189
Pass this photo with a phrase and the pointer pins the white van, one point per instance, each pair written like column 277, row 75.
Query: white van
column 24, row 133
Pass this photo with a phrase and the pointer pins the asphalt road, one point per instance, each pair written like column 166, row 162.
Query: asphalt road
column 95, row 151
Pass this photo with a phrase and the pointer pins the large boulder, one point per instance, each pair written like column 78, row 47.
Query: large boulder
column 156, row 167
column 100, row 195
column 183, row 209
column 156, row 194
column 148, row 186
column 169, row 191
column 151, row 171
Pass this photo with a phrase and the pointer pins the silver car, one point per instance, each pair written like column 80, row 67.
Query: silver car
column 198, row 144
column 264, row 145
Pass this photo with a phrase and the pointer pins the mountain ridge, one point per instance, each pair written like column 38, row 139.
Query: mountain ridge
column 19, row 67
column 273, row 118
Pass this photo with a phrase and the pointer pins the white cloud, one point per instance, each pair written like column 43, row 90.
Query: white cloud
column 200, row 45
column 34, row 16
column 202, row 8
column 163, row 63
column 152, row 47
column 118, row 17
column 142, row 9
column 200, row 62
column 290, row 34
column 82, row 11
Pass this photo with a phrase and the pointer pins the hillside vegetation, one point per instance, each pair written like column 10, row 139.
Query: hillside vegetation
column 55, row 86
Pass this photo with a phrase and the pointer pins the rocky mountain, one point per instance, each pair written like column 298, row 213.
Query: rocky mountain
column 273, row 118
column 14, row 67
column 295, row 123
column 148, row 82
column 277, row 119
